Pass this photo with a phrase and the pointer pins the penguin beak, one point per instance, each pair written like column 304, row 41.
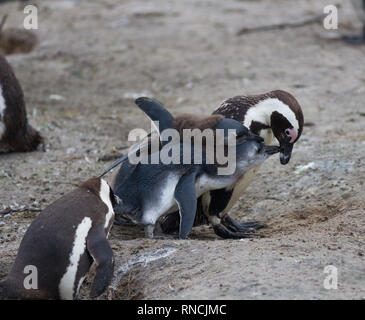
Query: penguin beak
column 286, row 149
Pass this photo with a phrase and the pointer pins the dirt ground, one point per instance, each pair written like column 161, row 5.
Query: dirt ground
column 95, row 57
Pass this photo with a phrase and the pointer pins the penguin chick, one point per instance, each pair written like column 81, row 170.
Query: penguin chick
column 62, row 243
column 149, row 191
column 15, row 132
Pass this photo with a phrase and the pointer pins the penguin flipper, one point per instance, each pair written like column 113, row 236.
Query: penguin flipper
column 100, row 250
column 185, row 197
column 156, row 112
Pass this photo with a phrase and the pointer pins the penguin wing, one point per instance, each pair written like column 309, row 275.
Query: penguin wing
column 185, row 197
column 100, row 250
column 156, row 112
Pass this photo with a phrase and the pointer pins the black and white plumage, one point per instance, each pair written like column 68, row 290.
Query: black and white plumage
column 273, row 114
column 276, row 113
column 150, row 191
column 62, row 243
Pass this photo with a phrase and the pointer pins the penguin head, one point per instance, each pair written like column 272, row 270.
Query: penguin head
column 286, row 123
column 286, row 133
column 275, row 113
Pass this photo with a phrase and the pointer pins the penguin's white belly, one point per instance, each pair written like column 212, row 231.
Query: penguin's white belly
column 164, row 201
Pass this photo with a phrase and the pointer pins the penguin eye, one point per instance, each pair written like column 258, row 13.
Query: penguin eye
column 287, row 132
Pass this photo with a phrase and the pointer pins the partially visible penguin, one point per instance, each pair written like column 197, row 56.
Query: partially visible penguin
column 276, row 113
column 15, row 132
column 63, row 242
column 16, row 40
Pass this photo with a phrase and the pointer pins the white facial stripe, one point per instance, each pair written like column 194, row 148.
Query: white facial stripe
column 67, row 284
column 105, row 197
column 262, row 111
column 2, row 111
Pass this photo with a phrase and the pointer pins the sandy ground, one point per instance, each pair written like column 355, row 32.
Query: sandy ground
column 95, row 57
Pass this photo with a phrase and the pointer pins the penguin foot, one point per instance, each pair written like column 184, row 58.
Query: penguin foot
column 170, row 223
column 236, row 226
column 223, row 232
